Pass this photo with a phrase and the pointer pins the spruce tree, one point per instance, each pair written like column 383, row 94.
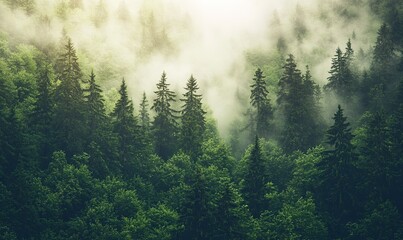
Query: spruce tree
column 378, row 160
column 195, row 211
column 100, row 143
column 69, row 104
column 336, row 177
column 144, row 114
column 232, row 218
column 254, row 186
column 341, row 79
column 164, row 125
column 193, row 120
column 145, row 124
column 96, row 116
column 126, row 128
column 384, row 77
column 299, row 107
column 260, row 100
column 42, row 114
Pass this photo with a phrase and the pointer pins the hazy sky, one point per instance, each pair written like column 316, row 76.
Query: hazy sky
column 139, row 39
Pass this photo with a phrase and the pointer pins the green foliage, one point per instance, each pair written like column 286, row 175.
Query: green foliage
column 69, row 103
column 193, row 120
column 260, row 100
column 164, row 125
column 341, row 80
column 255, row 181
column 383, row 222
column 297, row 220
column 337, row 175
column 104, row 181
column 299, row 109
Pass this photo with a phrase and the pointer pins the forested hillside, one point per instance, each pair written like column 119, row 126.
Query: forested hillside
column 87, row 151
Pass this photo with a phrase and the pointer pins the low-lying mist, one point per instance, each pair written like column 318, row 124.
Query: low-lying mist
column 139, row 39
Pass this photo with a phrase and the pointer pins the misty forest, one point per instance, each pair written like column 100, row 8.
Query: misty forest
column 169, row 119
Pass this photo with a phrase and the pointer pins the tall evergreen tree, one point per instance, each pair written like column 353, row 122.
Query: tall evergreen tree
column 193, row 121
column 349, row 53
column 69, row 103
column 43, row 113
column 379, row 161
column 341, row 79
column 100, row 144
column 232, row 218
column 164, row 125
column 298, row 105
column 260, row 100
column 96, row 108
column 254, row 188
column 385, row 78
column 336, row 182
column 195, row 211
column 126, row 128
column 144, row 114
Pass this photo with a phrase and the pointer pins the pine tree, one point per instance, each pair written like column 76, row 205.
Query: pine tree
column 144, row 114
column 254, row 188
column 384, row 50
column 377, row 159
column 42, row 114
column 299, row 106
column 260, row 100
column 69, row 104
column 145, row 125
column 164, row 125
column 384, row 77
column 100, row 143
column 336, row 179
column 193, row 120
column 349, row 53
column 232, row 217
column 195, row 211
column 96, row 109
column 341, row 79
column 126, row 128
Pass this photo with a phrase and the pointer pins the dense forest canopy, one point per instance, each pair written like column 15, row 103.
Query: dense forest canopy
column 201, row 119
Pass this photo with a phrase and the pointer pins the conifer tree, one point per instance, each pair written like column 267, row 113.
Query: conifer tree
column 232, row 216
column 144, row 114
column 260, row 100
column 349, row 53
column 164, row 125
column 196, row 214
column 384, row 77
column 378, row 161
column 96, row 109
column 145, row 124
column 42, row 114
column 100, row 143
column 254, row 188
column 69, row 104
column 336, row 178
column 126, row 128
column 341, row 79
column 193, row 121
column 298, row 105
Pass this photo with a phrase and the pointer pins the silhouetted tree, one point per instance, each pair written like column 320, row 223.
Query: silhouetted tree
column 193, row 121
column 298, row 105
column 336, row 177
column 254, row 188
column 68, row 119
column 260, row 100
column 164, row 125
